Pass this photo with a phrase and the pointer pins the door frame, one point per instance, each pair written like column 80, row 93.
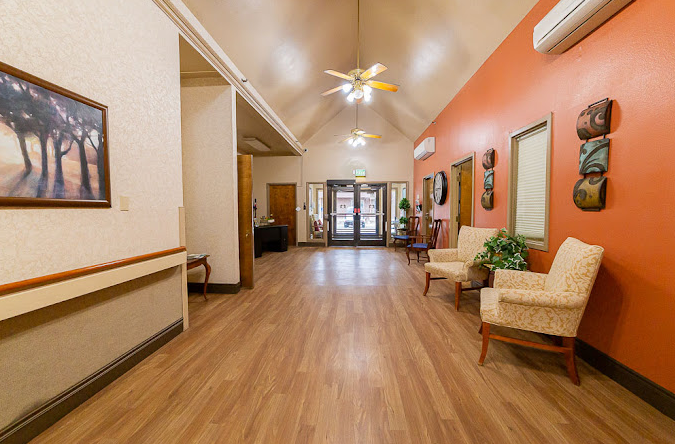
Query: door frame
column 391, row 210
column 454, row 194
column 385, row 235
column 328, row 227
column 308, row 225
column 357, row 227
column 423, row 224
column 296, row 204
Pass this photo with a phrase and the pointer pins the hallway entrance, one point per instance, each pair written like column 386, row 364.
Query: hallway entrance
column 357, row 213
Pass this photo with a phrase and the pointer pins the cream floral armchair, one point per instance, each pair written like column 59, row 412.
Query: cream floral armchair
column 550, row 303
column 458, row 264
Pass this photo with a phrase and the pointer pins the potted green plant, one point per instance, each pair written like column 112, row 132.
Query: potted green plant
column 404, row 204
column 504, row 252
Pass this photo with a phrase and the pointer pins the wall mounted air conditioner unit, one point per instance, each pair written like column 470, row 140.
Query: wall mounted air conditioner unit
column 570, row 21
column 425, row 149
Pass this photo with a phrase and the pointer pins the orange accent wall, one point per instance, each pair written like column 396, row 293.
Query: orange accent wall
column 631, row 59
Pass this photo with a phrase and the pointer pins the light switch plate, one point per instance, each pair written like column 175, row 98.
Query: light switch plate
column 124, row 203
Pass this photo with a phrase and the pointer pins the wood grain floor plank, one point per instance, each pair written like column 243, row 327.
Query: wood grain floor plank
column 338, row 345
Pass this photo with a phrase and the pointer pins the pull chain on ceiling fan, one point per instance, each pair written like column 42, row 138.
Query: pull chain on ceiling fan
column 360, row 86
column 356, row 137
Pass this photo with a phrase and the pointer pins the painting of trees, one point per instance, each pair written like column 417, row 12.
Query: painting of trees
column 52, row 144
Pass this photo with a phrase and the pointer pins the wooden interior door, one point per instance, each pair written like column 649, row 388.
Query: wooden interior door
column 245, row 207
column 282, row 203
column 428, row 204
column 465, row 194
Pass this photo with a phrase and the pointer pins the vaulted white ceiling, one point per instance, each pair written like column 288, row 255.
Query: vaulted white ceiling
column 431, row 47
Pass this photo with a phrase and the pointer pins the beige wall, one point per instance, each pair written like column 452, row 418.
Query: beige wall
column 126, row 57
column 48, row 351
column 386, row 159
column 209, row 137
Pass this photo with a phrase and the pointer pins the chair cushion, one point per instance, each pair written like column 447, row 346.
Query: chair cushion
column 521, row 280
column 402, row 237
column 548, row 320
column 456, row 271
column 575, row 267
column 420, row 246
column 471, row 240
column 444, row 255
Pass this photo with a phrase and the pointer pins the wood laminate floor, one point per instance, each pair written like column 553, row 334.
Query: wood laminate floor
column 339, row 345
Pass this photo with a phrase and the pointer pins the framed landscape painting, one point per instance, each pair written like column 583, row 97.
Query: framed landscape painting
column 53, row 145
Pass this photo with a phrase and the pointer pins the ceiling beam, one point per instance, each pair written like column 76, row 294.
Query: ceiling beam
column 193, row 31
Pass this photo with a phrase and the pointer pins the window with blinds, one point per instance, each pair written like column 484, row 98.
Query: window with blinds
column 530, row 183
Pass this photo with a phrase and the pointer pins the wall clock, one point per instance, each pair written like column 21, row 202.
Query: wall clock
column 440, row 187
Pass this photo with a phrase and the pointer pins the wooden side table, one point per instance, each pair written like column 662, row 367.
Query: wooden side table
column 198, row 261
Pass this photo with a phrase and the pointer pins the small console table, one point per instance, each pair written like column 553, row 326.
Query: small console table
column 270, row 238
column 196, row 260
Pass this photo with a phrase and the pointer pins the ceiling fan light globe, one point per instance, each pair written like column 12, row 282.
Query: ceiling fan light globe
column 358, row 94
column 347, row 87
column 350, row 97
column 367, row 90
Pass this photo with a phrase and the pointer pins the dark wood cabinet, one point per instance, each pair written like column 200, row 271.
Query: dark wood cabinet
column 270, row 238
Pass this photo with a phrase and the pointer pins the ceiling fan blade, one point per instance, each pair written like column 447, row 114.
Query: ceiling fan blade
column 342, row 135
column 331, row 91
column 343, row 141
column 373, row 71
column 382, row 85
column 372, row 136
column 338, row 74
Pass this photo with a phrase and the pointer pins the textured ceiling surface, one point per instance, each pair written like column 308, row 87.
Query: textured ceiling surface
column 431, row 48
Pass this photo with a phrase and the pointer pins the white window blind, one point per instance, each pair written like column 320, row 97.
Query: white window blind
column 531, row 175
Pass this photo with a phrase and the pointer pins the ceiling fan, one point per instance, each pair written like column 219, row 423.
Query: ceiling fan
column 361, row 83
column 357, row 135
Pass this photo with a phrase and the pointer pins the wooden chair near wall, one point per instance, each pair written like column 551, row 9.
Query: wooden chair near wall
column 426, row 242
column 411, row 231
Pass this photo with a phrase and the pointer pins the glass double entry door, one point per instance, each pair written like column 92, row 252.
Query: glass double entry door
column 357, row 213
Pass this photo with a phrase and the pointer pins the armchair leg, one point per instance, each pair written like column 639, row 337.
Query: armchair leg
column 418, row 256
column 568, row 344
column 407, row 253
column 426, row 287
column 458, row 292
column 485, row 329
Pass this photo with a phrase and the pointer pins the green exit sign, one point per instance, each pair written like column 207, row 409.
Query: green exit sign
column 359, row 173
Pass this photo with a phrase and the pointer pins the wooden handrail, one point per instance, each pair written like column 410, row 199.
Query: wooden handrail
column 13, row 287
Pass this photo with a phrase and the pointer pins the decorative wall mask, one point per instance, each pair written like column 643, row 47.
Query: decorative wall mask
column 594, row 121
column 489, row 159
column 590, row 193
column 487, row 200
column 594, row 156
column 489, row 180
